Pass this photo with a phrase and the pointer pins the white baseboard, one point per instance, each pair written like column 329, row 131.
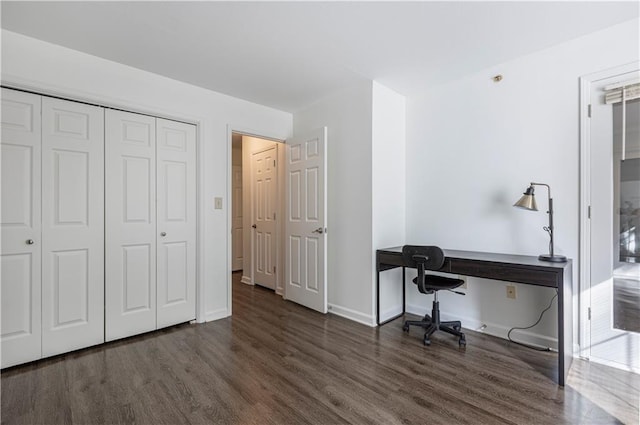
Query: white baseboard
column 216, row 314
column 356, row 316
column 493, row 329
column 246, row 279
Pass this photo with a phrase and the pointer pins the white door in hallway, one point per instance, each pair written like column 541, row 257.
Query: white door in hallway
column 72, row 226
column 130, row 291
column 176, row 218
column 306, row 221
column 264, row 202
column 20, row 280
column 236, row 220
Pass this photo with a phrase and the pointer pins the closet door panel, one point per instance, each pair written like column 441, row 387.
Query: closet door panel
column 20, row 217
column 176, row 213
column 131, row 224
column 72, row 226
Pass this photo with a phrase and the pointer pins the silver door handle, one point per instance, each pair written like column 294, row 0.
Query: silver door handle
column 30, row 241
column 319, row 230
column 163, row 234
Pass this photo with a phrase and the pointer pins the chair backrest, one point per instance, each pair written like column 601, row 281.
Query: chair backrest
column 430, row 257
column 422, row 258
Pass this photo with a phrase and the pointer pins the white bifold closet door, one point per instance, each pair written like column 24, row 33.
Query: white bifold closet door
column 130, row 277
column 176, row 218
column 20, row 224
column 52, row 226
column 151, row 223
column 72, row 226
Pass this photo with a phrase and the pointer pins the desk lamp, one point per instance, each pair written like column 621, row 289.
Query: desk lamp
column 528, row 202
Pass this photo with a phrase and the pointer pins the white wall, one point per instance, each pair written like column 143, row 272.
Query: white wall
column 366, row 192
column 347, row 115
column 45, row 67
column 389, row 196
column 473, row 146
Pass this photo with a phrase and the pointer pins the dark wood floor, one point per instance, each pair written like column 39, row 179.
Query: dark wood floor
column 279, row 363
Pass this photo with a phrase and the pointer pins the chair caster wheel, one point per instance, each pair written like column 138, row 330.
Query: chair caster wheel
column 405, row 327
column 462, row 342
column 427, row 341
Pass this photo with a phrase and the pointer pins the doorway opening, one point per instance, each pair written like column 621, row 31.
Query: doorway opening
column 257, row 192
column 284, row 215
column 610, row 223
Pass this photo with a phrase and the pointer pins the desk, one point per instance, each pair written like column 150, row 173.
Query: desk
column 511, row 268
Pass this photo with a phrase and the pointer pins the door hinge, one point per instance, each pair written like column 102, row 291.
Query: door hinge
column 589, row 212
column 274, row 162
column 588, row 313
column 274, row 216
column 274, row 269
column 589, row 110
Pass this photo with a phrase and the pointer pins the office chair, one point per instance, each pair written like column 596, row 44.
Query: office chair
column 431, row 258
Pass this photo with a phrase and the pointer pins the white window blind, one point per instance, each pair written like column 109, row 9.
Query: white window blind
column 622, row 93
column 614, row 92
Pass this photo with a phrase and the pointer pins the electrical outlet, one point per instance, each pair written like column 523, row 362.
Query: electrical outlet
column 464, row 278
column 218, row 203
column 511, row 292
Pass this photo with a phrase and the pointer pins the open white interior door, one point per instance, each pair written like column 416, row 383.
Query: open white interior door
column 306, row 221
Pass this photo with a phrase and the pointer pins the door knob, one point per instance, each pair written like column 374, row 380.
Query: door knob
column 254, row 226
column 163, row 234
column 319, row 230
column 30, row 242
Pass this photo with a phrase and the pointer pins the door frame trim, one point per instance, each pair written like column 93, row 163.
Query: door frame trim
column 69, row 93
column 584, row 276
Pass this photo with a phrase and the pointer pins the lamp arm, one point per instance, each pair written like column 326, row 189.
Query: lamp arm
column 545, row 185
column 550, row 212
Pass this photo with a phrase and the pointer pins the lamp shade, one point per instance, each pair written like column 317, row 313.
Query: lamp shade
column 527, row 201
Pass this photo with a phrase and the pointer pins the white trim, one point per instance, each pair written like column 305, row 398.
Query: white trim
column 72, row 94
column 619, row 85
column 229, row 197
column 218, row 314
column 69, row 93
column 492, row 329
column 356, row 316
column 584, row 277
column 200, row 211
column 246, row 280
column 584, row 233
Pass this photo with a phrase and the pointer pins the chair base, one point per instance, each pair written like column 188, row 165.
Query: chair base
column 432, row 324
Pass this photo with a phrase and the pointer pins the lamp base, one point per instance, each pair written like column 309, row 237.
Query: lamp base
column 553, row 258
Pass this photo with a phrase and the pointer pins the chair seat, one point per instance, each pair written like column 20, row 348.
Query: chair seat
column 436, row 283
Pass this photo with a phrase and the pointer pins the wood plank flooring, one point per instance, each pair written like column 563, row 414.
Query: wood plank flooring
column 275, row 362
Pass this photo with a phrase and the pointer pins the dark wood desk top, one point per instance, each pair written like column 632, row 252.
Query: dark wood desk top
column 525, row 260
column 507, row 267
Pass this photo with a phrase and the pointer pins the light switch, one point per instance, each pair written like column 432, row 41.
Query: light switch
column 218, row 203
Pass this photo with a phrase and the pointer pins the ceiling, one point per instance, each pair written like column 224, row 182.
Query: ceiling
column 289, row 54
